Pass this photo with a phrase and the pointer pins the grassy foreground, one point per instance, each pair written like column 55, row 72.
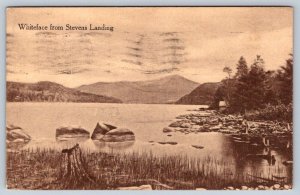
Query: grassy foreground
column 40, row 169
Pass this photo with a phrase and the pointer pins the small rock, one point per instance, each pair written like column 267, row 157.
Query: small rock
column 185, row 125
column 167, row 130
column 172, row 143
column 244, row 188
column 162, row 143
column 201, row 189
column 287, row 187
column 266, row 188
column 142, row 187
column 261, row 187
column 276, row 186
column 230, row 188
column 175, row 124
column 215, row 128
column 198, row 147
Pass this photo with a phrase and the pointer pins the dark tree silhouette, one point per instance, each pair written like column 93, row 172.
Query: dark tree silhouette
column 285, row 76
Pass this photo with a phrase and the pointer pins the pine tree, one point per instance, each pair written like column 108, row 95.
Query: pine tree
column 227, row 83
column 240, row 94
column 242, row 68
column 285, row 76
column 271, row 96
column 256, row 84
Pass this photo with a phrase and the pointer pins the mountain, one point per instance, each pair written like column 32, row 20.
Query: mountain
column 202, row 95
column 51, row 92
column 165, row 90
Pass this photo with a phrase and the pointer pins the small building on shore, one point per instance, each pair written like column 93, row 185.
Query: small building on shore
column 222, row 105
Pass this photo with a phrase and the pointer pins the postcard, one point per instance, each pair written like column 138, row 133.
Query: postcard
column 149, row 98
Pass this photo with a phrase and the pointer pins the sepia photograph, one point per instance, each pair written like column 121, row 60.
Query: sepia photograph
column 149, row 98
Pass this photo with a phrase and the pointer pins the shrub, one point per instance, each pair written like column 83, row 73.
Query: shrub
column 281, row 112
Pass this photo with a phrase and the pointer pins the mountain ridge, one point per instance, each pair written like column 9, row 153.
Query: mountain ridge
column 163, row 90
column 202, row 95
column 47, row 91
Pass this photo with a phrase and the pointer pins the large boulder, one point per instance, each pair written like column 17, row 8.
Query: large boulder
column 119, row 135
column 100, row 130
column 16, row 134
column 71, row 132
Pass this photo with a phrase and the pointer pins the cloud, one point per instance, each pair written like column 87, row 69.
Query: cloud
column 196, row 43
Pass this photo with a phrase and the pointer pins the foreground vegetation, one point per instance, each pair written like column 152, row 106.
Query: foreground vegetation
column 41, row 169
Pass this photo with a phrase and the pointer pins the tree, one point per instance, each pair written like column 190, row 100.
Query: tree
column 256, row 84
column 285, row 76
column 240, row 94
column 242, row 68
column 228, row 85
column 271, row 96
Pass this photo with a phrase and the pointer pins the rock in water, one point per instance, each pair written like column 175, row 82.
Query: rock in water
column 167, row 130
column 119, row 135
column 198, row 147
column 175, row 124
column 100, row 130
column 71, row 132
column 16, row 134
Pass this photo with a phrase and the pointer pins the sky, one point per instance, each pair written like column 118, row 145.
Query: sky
column 145, row 43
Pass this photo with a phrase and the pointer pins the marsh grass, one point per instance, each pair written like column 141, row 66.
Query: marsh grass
column 40, row 169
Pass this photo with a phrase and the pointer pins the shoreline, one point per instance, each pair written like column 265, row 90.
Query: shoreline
column 204, row 120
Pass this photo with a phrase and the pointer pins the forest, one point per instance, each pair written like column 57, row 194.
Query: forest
column 256, row 93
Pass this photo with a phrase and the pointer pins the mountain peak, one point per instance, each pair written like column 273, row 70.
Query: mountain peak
column 176, row 77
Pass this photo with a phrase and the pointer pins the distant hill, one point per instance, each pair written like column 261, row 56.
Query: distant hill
column 51, row 92
column 164, row 90
column 202, row 95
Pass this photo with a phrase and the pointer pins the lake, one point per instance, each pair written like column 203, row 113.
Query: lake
column 41, row 120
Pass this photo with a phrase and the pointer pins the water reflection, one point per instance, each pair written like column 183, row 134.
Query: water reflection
column 99, row 144
column 120, row 146
column 267, row 162
column 14, row 146
column 70, row 142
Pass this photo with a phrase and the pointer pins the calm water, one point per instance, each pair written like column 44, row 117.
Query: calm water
column 40, row 120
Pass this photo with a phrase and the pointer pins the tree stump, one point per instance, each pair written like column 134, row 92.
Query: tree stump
column 74, row 173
